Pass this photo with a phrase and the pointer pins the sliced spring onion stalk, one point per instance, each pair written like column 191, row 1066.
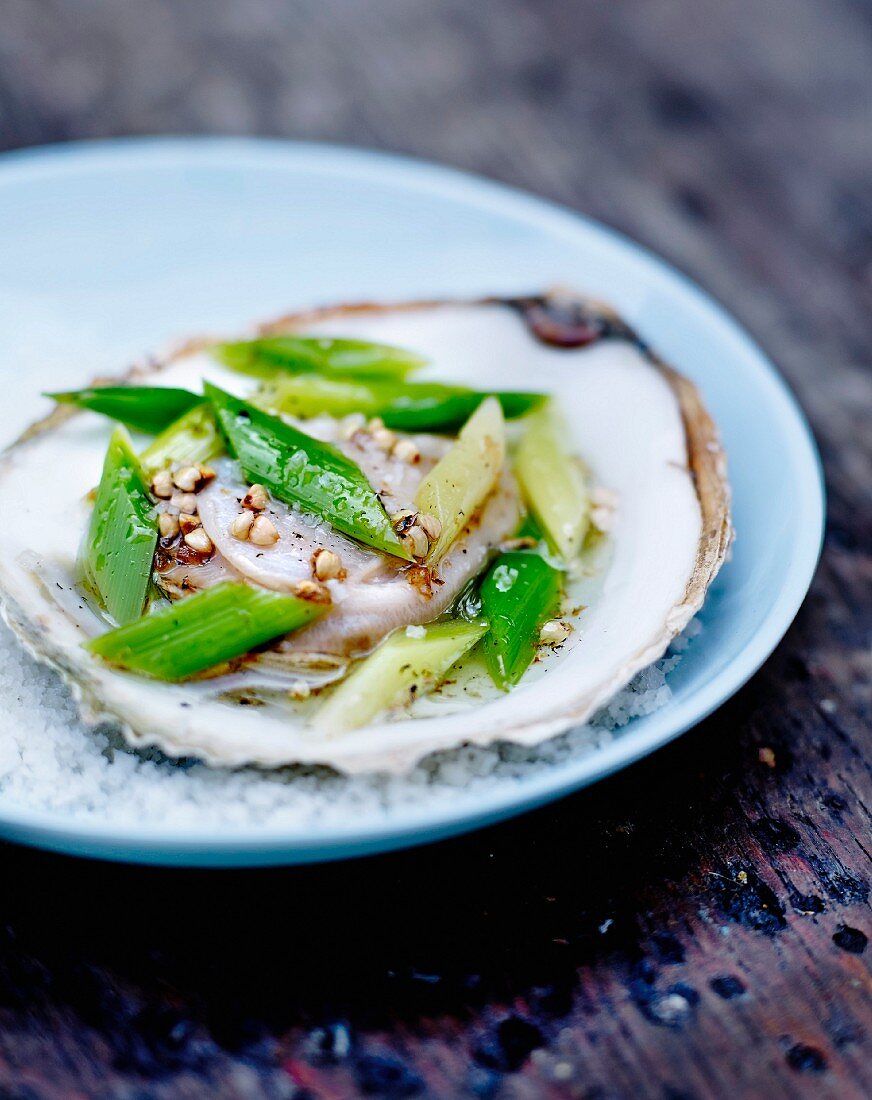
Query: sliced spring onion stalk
column 203, row 630
column 307, row 354
column 310, row 395
column 459, row 482
column 553, row 483
column 116, row 558
column 468, row 605
column 404, row 406
column 434, row 407
column 191, row 439
column 301, row 470
column 143, row 408
column 410, row 663
column 519, row 593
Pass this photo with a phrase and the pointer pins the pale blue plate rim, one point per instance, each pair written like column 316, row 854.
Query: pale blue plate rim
column 269, row 846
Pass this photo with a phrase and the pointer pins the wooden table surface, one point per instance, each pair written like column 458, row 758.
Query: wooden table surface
column 695, row 927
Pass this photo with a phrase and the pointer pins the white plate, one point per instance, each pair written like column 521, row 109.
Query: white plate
column 116, row 249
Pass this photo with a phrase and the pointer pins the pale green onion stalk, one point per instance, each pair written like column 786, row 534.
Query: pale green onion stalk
column 146, row 409
column 116, row 558
column 553, row 483
column 460, row 481
column 411, row 662
column 271, row 355
column 204, row 630
column 188, row 441
column 403, row 406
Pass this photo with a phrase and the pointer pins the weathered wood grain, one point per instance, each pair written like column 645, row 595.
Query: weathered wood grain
column 696, row 927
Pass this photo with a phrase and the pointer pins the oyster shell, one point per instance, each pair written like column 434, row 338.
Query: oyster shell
column 639, row 425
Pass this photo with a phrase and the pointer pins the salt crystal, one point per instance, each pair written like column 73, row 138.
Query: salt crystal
column 50, row 761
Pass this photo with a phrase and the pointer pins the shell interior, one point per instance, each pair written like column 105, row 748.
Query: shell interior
column 639, row 427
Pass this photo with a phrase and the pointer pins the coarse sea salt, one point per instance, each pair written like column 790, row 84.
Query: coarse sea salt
column 49, row 760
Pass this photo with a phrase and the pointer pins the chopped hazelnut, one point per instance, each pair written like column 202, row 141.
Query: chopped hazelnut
column 263, row 532
column 431, row 526
column 257, row 498
column 311, row 590
column 162, row 484
column 327, row 565
column 554, row 632
column 185, row 502
column 241, row 526
column 199, row 540
column 384, row 439
column 188, row 522
column 406, row 451
column 168, row 525
column 187, row 479
column 417, row 542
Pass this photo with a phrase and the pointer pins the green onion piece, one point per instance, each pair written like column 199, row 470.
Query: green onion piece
column 116, row 559
column 301, row 470
column 319, row 354
column 308, row 395
column 410, row 663
column 143, row 408
column 434, row 407
column 460, row 481
column 203, row 630
column 409, row 406
column 191, row 439
column 553, row 483
column 520, row 592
